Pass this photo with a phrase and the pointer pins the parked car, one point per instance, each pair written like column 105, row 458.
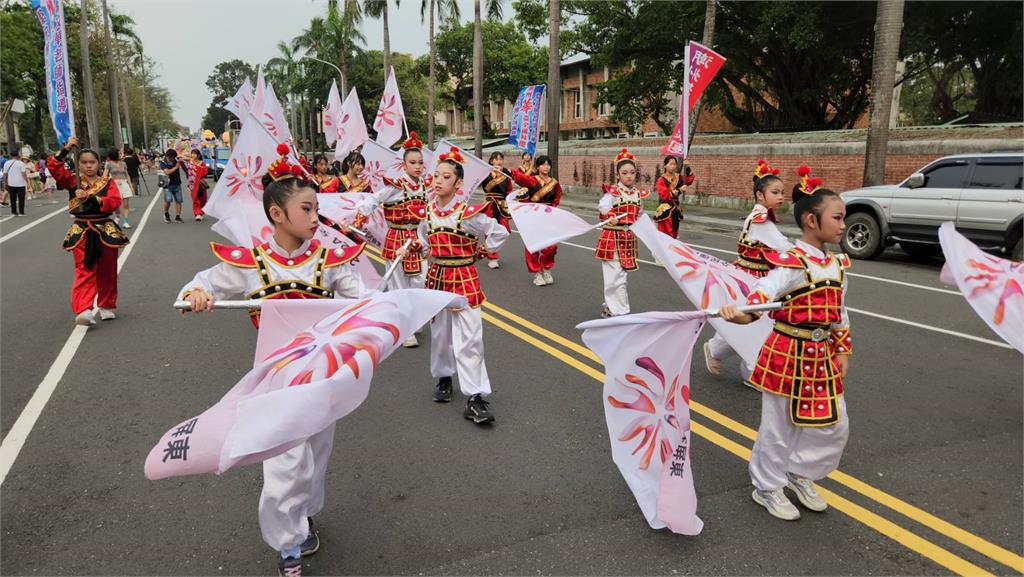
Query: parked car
column 983, row 194
column 218, row 162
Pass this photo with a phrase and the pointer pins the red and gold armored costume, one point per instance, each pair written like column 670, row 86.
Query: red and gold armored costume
column 617, row 242
column 454, row 251
column 547, row 191
column 404, row 207
column 751, row 252
column 350, row 185
column 93, row 237
column 328, row 183
column 812, row 327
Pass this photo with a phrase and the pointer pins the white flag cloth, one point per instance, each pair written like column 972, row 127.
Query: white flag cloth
column 260, row 93
column 332, row 114
column 382, row 162
column 341, row 207
column 351, row 128
column 390, row 114
column 646, row 405
column 272, row 116
column 708, row 282
column 993, row 286
column 241, row 102
column 314, row 363
column 237, row 198
column 475, row 170
column 542, row 225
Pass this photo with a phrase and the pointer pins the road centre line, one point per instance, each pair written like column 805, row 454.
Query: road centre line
column 990, row 550
column 15, row 233
column 941, row 330
column 16, row 437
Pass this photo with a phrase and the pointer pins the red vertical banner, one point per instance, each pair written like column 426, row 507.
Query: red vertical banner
column 700, row 65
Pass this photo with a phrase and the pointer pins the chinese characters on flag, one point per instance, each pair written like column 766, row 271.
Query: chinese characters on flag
column 700, row 66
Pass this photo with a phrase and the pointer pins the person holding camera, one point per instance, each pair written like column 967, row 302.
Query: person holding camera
column 170, row 166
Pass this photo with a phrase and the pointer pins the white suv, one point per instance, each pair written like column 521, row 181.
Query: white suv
column 983, row 194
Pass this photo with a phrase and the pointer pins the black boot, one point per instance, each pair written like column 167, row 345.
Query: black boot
column 443, row 392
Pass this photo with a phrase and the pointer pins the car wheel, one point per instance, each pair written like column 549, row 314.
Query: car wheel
column 1018, row 250
column 920, row 250
column 863, row 237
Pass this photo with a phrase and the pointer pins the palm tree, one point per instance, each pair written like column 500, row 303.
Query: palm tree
column 888, row 26
column 343, row 34
column 379, row 9
column 441, row 9
column 707, row 40
column 115, row 113
column 284, row 66
column 89, row 95
column 121, row 26
column 554, row 83
column 493, row 13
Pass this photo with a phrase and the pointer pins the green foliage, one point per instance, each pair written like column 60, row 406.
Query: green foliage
column 510, row 61
column 223, row 82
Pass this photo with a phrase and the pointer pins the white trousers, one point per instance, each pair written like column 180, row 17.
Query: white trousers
column 782, row 447
column 293, row 489
column 457, row 344
column 400, row 280
column 616, row 297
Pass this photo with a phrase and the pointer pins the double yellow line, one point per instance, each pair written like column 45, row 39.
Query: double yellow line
column 582, row 359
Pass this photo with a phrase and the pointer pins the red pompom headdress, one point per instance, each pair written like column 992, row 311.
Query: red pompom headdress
column 764, row 170
column 808, row 184
column 281, row 169
column 624, row 156
column 454, row 155
column 412, row 143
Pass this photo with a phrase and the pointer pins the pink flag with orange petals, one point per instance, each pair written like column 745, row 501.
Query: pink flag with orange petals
column 646, row 405
column 315, row 360
column 992, row 285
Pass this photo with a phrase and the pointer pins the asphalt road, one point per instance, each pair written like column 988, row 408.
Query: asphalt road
column 931, row 481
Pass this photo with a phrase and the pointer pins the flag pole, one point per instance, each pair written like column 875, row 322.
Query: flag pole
column 773, row 306
column 400, row 256
column 249, row 304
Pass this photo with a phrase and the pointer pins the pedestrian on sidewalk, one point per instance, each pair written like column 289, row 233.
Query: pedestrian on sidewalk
column 170, row 166
column 196, row 170
column 497, row 186
column 804, row 361
column 131, row 160
column 116, row 169
column 93, row 237
column 759, row 234
column 616, row 248
column 15, row 182
column 455, row 235
column 293, row 482
column 542, row 189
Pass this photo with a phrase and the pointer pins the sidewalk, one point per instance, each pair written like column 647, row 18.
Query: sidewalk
column 721, row 218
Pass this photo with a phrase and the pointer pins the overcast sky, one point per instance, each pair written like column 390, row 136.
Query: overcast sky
column 187, row 38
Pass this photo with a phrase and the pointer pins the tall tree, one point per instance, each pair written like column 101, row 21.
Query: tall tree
column 286, row 64
column 87, row 89
column 121, row 25
column 441, row 9
column 494, row 13
column 115, row 114
column 223, row 82
column 888, row 27
column 707, row 40
column 554, row 88
column 379, row 9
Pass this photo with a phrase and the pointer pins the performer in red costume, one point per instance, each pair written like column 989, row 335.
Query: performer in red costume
column 542, row 189
column 404, row 202
column 804, row 361
column 93, row 237
column 455, row 235
column 497, row 187
column 197, row 170
column 325, row 181
column 617, row 248
column 352, row 179
column 290, row 265
column 671, row 187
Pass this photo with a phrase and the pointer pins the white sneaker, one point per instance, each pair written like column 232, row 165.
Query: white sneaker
column 86, row 318
column 411, row 342
column 107, row 314
column 538, row 279
column 714, row 365
column 493, row 264
column 777, row 504
column 547, row 277
column 125, row 224
column 806, row 493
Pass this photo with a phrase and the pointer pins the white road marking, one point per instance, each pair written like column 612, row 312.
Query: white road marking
column 994, row 343
column 15, row 233
column 19, row 432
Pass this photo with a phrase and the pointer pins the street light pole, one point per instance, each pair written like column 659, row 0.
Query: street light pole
column 324, row 62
